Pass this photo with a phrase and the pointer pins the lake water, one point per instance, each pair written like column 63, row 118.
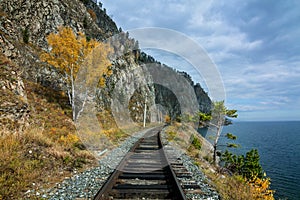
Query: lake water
column 278, row 144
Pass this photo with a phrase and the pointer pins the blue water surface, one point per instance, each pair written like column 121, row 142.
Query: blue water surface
column 278, row 144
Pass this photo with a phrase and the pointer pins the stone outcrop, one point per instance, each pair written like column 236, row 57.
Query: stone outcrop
column 188, row 93
column 126, row 89
column 24, row 26
column 205, row 103
column 99, row 16
column 14, row 111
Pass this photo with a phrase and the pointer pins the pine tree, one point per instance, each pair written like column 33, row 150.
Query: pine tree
column 252, row 167
column 219, row 118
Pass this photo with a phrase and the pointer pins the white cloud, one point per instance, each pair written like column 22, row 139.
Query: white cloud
column 246, row 108
column 230, row 42
column 256, row 51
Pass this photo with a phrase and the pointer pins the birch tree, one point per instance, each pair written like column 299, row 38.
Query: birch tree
column 69, row 52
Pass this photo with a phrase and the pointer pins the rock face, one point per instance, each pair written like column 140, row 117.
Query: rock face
column 24, row 26
column 14, row 111
column 41, row 17
column 205, row 103
column 138, row 79
column 175, row 90
column 130, row 85
column 99, row 16
column 127, row 90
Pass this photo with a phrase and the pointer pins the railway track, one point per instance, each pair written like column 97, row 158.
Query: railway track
column 144, row 173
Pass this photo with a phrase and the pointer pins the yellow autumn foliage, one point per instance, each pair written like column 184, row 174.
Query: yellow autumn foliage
column 71, row 54
column 68, row 139
column 167, row 119
column 261, row 188
column 69, row 51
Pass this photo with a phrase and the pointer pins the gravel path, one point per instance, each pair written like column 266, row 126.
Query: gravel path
column 86, row 184
column 177, row 155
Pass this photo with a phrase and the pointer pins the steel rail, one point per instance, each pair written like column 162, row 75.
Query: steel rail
column 153, row 166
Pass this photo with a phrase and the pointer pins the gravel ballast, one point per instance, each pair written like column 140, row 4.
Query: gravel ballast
column 86, row 184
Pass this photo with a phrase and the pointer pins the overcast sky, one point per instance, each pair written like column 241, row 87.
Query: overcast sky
column 255, row 45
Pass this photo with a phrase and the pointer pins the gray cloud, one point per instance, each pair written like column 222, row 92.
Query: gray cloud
column 255, row 45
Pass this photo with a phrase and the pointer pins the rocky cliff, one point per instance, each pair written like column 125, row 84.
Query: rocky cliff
column 24, row 26
column 175, row 90
column 14, row 111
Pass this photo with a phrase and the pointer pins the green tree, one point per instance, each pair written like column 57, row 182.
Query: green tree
column 220, row 115
column 252, row 167
column 248, row 166
column 231, row 137
column 202, row 118
column 69, row 52
column 234, row 163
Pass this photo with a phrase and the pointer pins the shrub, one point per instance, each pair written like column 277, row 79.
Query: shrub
column 171, row 135
column 248, row 166
column 167, row 119
column 261, row 188
column 69, row 139
column 196, row 142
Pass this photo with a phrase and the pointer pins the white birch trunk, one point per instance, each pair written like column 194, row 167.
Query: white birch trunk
column 73, row 95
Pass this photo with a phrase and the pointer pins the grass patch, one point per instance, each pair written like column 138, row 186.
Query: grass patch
column 33, row 159
column 196, row 142
column 46, row 152
column 231, row 187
